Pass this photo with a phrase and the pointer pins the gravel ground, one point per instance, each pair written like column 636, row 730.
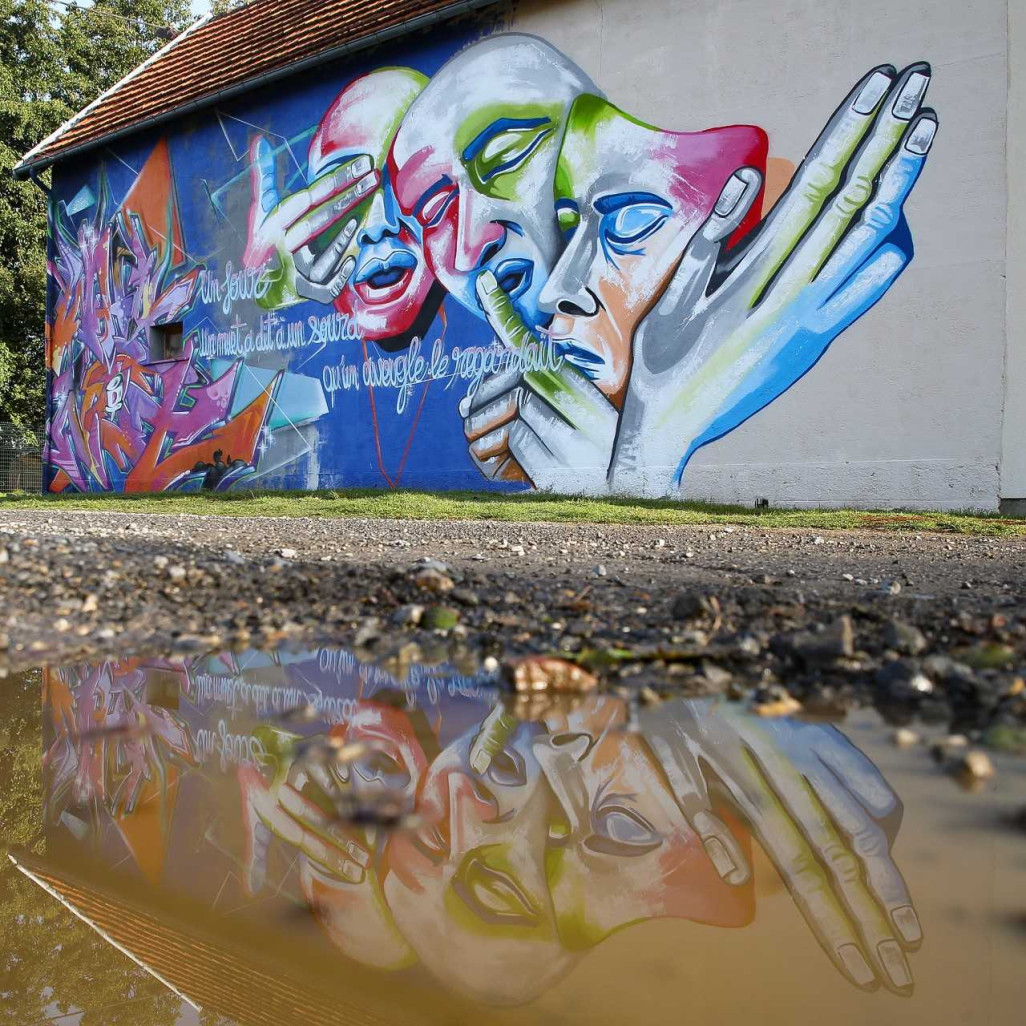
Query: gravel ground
column 927, row 625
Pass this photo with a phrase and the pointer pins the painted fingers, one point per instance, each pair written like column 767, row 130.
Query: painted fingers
column 879, row 121
column 691, row 279
column 323, row 277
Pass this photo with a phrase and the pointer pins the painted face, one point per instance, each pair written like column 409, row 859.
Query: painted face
column 353, row 912
column 629, row 198
column 621, row 850
column 390, row 291
column 468, row 888
column 473, row 164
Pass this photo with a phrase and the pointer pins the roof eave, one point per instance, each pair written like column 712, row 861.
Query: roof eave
column 28, row 166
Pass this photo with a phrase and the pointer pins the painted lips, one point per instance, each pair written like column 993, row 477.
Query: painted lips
column 382, row 281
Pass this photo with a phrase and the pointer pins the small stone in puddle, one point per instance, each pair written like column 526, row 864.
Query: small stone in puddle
column 949, row 747
column 775, row 701
column 368, row 632
column 544, row 673
column 906, row 738
column 976, row 765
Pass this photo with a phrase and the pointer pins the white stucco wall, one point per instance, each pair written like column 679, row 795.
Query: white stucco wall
column 905, row 409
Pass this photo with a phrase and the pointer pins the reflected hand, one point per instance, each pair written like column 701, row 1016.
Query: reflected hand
column 282, row 810
column 706, row 359
column 823, row 814
column 536, row 426
column 282, row 230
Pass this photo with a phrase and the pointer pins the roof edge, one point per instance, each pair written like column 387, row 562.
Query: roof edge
column 27, row 167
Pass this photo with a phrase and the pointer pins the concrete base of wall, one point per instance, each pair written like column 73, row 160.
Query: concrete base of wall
column 1012, row 507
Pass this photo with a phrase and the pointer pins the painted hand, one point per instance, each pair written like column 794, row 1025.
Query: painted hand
column 536, row 426
column 281, row 809
column 283, row 232
column 823, row 814
column 734, row 331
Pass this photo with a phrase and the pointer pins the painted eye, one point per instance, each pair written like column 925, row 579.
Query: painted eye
column 508, row 150
column 621, row 831
column 433, row 210
column 569, row 219
column 633, row 224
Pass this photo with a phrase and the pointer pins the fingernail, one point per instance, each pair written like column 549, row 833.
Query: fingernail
column 488, row 282
column 719, row 856
column 921, row 137
column 731, row 195
column 872, row 93
column 352, row 873
column 907, row 922
column 894, row 962
column 366, row 185
column 361, row 166
column 910, row 96
column 855, row 963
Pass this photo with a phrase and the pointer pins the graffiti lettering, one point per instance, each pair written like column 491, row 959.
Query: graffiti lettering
column 234, row 749
column 340, row 377
column 333, row 327
column 233, row 286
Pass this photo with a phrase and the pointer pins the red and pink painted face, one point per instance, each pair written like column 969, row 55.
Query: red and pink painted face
column 391, row 293
column 629, row 198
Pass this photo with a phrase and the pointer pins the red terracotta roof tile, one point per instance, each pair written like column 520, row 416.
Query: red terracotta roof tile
column 229, row 51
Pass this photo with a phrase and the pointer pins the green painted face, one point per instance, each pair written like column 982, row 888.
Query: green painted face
column 629, row 197
column 505, row 148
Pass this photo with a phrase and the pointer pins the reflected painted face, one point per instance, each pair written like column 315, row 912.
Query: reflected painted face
column 391, row 294
column 629, row 198
column 473, row 165
column 468, row 888
column 621, row 850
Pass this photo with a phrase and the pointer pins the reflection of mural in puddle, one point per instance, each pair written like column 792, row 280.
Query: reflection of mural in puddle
column 282, row 837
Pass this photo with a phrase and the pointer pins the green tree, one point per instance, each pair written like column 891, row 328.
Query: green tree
column 54, row 59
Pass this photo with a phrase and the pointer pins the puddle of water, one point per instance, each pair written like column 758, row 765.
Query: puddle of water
column 286, row 837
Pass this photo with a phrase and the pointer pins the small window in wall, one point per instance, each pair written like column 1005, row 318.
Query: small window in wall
column 167, row 341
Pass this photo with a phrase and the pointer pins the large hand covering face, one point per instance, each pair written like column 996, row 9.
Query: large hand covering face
column 474, row 161
column 341, row 240
column 629, row 198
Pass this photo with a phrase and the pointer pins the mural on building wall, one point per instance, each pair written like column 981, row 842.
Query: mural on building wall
column 422, row 823
column 471, row 271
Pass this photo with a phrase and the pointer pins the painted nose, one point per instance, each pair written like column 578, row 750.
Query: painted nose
column 380, row 222
column 566, row 291
column 475, row 236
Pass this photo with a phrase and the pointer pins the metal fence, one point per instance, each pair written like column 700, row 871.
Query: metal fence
column 21, row 458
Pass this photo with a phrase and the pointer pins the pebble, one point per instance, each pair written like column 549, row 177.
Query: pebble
column 440, row 618
column 408, row 616
column 904, row 637
column 906, row 738
column 433, row 580
column 977, row 765
column 543, row 673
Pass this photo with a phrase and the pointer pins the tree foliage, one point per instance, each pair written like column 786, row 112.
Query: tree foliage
column 54, row 59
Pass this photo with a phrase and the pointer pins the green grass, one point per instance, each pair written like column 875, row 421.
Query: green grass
column 511, row 508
